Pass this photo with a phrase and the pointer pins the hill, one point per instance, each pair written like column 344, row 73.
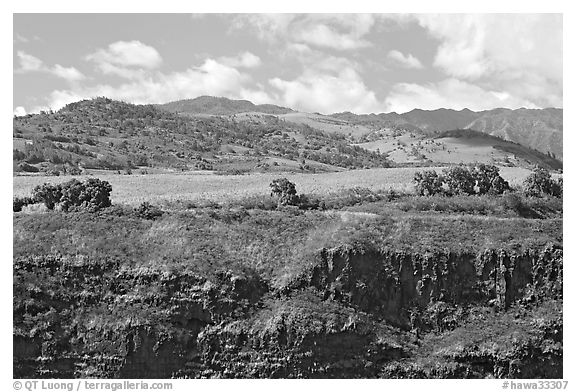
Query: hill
column 539, row 129
column 106, row 134
column 220, row 106
column 112, row 135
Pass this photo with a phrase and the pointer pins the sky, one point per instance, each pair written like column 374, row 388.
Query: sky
column 327, row 63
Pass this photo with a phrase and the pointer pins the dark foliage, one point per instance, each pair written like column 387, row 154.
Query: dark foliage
column 21, row 202
column 488, row 179
column 540, row 183
column 91, row 194
column 285, row 191
column 459, row 180
column 148, row 211
column 428, row 183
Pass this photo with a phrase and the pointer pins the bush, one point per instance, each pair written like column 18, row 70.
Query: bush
column 48, row 194
column 428, row 183
column 540, row 183
column 285, row 191
column 148, row 211
column 92, row 194
column 488, row 179
column 21, row 202
column 74, row 171
column 459, row 180
column 27, row 168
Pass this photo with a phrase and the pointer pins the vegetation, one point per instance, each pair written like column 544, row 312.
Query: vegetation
column 148, row 211
column 358, row 275
column 231, row 292
column 461, row 180
column 540, row 183
column 92, row 194
column 111, row 135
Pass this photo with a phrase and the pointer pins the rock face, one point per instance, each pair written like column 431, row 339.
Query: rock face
column 388, row 284
column 354, row 313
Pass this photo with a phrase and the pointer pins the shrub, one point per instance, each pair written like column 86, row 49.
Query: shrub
column 459, row 180
column 285, row 191
column 540, row 183
column 92, row 194
column 96, row 194
column 21, row 202
column 488, row 179
column 27, row 168
column 428, row 183
column 48, row 194
column 74, row 171
column 148, row 211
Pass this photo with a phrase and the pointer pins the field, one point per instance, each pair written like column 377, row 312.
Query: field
column 133, row 189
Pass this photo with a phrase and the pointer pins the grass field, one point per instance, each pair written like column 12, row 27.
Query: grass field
column 133, row 189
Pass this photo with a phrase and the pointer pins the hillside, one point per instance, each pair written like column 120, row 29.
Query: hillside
column 231, row 136
column 220, row 106
column 539, row 129
column 106, row 134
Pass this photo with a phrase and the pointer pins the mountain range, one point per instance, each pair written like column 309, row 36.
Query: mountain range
column 539, row 129
column 225, row 135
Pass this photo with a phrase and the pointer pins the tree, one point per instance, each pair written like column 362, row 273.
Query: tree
column 92, row 194
column 459, row 180
column 285, row 191
column 488, row 179
column 540, row 183
column 428, row 183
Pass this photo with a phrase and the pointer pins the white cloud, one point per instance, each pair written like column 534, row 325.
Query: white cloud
column 29, row 63
column 127, row 59
column 210, row 78
column 334, row 31
column 327, row 93
column 405, row 61
column 68, row 73
column 244, row 60
column 19, row 111
column 508, row 52
column 324, row 36
column 450, row 93
column 20, row 38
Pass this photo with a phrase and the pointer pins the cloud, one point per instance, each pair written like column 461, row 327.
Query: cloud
column 333, row 31
column 508, row 52
column 29, row 63
column 19, row 111
column 405, row 61
column 209, row 78
column 68, row 73
column 127, row 59
column 449, row 93
column 322, row 35
column 20, row 38
column 243, row 60
column 328, row 93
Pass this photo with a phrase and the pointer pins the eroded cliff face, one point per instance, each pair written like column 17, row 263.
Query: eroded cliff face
column 389, row 284
column 354, row 313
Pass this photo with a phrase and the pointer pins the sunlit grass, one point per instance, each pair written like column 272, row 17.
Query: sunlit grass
column 136, row 188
